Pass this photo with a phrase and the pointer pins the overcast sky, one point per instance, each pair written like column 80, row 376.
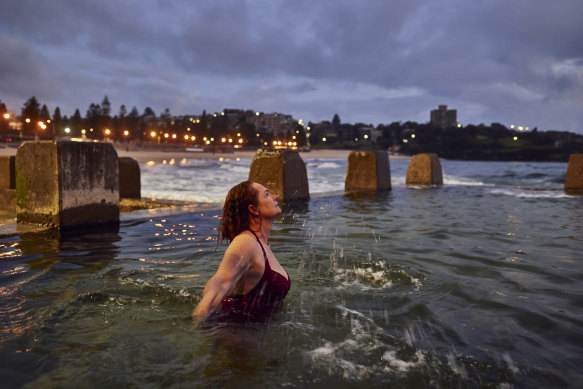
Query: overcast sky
column 372, row 61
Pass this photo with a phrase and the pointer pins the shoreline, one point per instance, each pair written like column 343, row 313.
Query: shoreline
column 148, row 155
column 159, row 154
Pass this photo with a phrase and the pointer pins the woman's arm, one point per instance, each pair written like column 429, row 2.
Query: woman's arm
column 234, row 265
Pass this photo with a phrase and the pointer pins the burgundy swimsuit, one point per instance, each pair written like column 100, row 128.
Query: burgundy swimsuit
column 266, row 297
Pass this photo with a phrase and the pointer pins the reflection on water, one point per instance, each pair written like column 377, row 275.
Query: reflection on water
column 412, row 288
column 33, row 259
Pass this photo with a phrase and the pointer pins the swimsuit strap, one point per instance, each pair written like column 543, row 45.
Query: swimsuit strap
column 260, row 244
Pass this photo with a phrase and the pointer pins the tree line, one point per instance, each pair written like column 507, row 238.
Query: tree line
column 494, row 142
column 99, row 123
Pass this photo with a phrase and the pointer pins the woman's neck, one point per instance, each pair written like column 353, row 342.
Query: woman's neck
column 262, row 230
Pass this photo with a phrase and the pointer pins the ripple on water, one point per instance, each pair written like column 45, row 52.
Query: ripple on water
column 373, row 276
column 369, row 353
column 351, row 357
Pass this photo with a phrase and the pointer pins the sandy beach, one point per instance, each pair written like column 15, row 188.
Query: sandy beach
column 144, row 156
column 158, row 155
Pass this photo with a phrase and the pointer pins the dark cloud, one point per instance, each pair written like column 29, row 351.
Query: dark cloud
column 22, row 70
column 493, row 61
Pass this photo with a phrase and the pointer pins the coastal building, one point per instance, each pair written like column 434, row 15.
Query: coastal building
column 236, row 117
column 274, row 123
column 9, row 121
column 443, row 117
column 278, row 123
column 322, row 132
column 369, row 133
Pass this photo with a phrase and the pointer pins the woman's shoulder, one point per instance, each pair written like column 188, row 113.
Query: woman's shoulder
column 245, row 241
column 244, row 236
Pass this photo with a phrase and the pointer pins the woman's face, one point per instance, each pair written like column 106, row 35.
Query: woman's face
column 266, row 202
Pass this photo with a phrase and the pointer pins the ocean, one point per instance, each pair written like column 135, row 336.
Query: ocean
column 473, row 284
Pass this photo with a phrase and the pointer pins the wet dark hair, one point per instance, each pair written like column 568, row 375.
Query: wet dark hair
column 236, row 210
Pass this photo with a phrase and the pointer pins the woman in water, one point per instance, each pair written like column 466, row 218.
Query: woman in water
column 249, row 282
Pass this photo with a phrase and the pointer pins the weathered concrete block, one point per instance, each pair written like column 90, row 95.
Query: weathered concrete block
column 7, row 184
column 7, row 174
column 368, row 171
column 67, row 184
column 129, row 178
column 424, row 169
column 574, row 177
column 8, row 200
column 283, row 172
